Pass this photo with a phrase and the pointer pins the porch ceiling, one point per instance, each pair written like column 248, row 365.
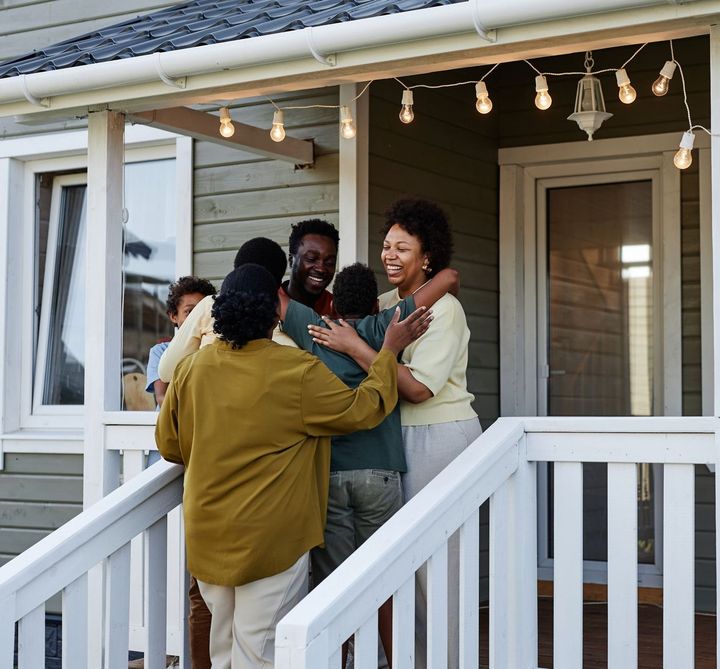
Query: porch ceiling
column 406, row 42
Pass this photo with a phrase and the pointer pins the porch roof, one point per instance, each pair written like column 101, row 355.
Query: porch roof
column 199, row 23
column 210, row 50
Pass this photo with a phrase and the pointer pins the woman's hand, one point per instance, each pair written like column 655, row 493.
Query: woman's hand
column 403, row 333
column 340, row 336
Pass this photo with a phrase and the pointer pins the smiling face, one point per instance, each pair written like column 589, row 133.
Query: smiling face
column 403, row 259
column 312, row 267
column 185, row 305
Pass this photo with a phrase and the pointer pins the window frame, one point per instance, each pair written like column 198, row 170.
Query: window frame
column 26, row 158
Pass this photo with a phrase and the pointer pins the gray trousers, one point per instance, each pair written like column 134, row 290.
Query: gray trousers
column 428, row 450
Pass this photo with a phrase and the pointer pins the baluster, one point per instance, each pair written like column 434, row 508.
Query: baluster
column 513, row 569
column 622, row 565
column 117, row 632
column 7, row 633
column 568, row 566
column 31, row 639
column 437, row 608
column 133, row 463
column 75, row 624
column 470, row 591
column 156, row 620
column 679, row 567
column 366, row 643
column 404, row 625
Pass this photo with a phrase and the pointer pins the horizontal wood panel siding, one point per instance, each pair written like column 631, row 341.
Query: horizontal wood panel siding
column 38, row 493
column 25, row 26
column 447, row 155
column 239, row 195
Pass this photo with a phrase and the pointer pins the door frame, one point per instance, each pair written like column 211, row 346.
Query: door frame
column 525, row 173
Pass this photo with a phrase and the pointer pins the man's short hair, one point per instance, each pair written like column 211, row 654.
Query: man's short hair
column 312, row 226
column 264, row 252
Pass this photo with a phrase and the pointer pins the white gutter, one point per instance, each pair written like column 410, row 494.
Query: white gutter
column 474, row 16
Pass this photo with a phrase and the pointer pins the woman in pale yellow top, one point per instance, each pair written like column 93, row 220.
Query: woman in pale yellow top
column 436, row 412
column 251, row 421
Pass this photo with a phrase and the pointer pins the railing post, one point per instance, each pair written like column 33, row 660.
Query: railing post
column 513, row 569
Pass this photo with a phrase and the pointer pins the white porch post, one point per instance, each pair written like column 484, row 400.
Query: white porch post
column 103, row 331
column 353, row 177
column 103, row 298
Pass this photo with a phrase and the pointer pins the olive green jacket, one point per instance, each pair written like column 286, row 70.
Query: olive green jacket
column 252, row 427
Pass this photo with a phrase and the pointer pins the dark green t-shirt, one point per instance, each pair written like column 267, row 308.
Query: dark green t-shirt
column 381, row 447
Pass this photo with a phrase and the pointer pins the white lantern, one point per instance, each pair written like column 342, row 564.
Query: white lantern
column 589, row 111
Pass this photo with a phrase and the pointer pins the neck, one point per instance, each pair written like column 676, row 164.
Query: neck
column 409, row 289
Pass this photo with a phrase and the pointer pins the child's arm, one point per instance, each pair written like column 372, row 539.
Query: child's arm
column 445, row 281
column 159, row 390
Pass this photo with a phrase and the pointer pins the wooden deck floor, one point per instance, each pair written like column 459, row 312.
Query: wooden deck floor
column 595, row 637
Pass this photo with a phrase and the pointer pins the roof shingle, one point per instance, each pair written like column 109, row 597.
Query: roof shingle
column 202, row 22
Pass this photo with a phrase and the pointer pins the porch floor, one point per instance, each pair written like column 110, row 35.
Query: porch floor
column 595, row 636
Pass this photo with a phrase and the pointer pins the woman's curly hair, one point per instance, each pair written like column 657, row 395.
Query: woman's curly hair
column 427, row 222
column 247, row 305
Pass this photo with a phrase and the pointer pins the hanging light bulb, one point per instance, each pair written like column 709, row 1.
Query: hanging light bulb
column 277, row 132
column 683, row 157
column 348, row 130
column 662, row 83
column 227, row 129
column 406, row 111
column 542, row 99
column 484, row 103
column 627, row 93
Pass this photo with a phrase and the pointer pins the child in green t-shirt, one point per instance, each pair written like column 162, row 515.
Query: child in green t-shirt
column 365, row 466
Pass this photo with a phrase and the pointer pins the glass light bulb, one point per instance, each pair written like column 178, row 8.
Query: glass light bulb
column 484, row 105
column 661, row 86
column 627, row 94
column 348, row 130
column 543, row 100
column 406, row 114
column 683, row 158
column 227, row 129
column 277, row 133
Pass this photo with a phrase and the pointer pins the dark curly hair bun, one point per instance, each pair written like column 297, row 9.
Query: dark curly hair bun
column 246, row 307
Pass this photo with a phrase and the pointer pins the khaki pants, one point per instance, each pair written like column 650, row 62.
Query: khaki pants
column 242, row 633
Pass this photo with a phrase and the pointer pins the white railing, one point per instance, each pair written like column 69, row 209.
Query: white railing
column 501, row 466
column 65, row 561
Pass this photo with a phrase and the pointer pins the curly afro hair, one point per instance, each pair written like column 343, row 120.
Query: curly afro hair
column 429, row 224
column 186, row 285
column 312, row 226
column 355, row 291
column 247, row 305
column 265, row 252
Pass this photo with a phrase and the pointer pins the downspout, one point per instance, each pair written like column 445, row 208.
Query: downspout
column 322, row 43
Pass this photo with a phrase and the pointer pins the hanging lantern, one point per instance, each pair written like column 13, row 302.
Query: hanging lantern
column 589, row 111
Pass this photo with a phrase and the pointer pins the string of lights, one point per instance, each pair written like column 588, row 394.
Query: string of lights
column 589, row 111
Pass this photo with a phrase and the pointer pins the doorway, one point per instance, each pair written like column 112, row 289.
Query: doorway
column 590, row 304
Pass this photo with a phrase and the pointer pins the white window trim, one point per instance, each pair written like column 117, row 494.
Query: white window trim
column 20, row 160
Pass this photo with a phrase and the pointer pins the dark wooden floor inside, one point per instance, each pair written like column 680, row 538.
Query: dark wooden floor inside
column 595, row 637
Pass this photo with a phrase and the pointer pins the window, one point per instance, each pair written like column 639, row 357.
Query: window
column 148, row 268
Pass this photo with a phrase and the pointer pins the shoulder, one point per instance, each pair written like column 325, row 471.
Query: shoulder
column 388, row 299
column 449, row 305
column 159, row 349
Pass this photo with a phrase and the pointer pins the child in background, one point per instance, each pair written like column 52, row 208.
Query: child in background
column 184, row 294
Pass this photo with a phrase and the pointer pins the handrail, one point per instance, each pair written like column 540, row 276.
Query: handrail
column 53, row 563
column 350, row 594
